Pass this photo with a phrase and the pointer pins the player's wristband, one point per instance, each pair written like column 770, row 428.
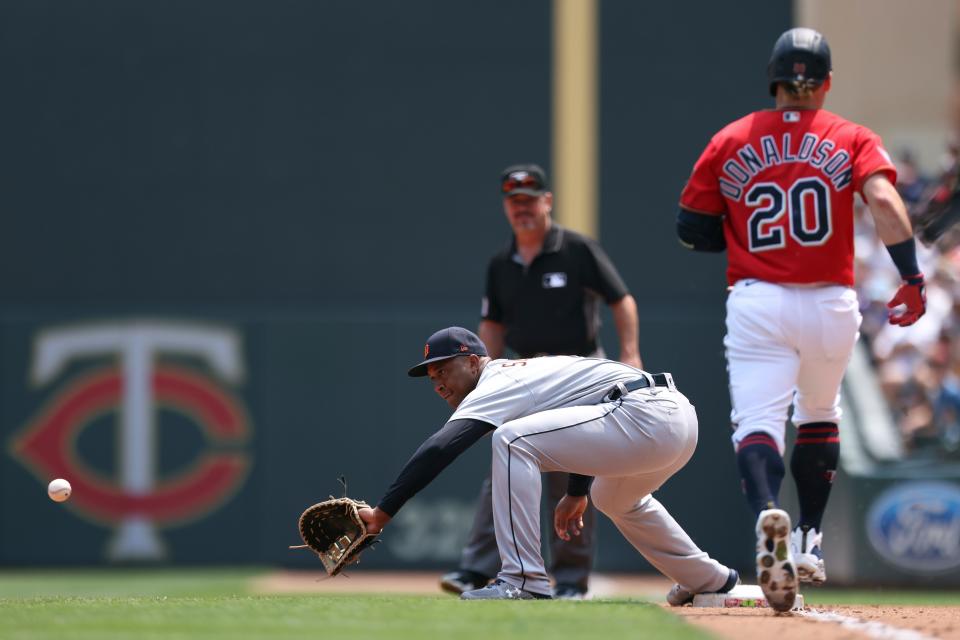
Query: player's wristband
column 904, row 255
column 578, row 485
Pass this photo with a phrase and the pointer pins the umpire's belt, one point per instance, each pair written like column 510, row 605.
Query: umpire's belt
column 648, row 380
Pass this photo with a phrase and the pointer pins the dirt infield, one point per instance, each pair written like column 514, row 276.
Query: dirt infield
column 840, row 622
column 830, row 622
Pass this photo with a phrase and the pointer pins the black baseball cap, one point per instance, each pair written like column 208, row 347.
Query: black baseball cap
column 526, row 179
column 448, row 343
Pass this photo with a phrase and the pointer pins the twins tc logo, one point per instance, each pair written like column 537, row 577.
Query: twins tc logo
column 138, row 497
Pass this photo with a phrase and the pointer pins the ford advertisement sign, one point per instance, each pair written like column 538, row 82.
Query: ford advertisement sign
column 916, row 526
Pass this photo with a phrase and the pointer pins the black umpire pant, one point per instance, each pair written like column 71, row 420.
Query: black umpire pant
column 570, row 562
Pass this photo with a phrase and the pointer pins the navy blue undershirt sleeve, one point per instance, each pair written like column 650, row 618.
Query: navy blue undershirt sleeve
column 578, row 485
column 904, row 255
column 433, row 456
column 700, row 232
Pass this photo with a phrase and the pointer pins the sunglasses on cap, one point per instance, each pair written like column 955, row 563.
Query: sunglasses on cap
column 521, row 180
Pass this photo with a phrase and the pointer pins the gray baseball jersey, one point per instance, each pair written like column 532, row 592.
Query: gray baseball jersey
column 511, row 389
column 555, row 413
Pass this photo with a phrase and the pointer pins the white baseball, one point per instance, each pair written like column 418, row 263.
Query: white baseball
column 59, row 490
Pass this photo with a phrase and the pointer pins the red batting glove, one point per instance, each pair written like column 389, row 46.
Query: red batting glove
column 911, row 294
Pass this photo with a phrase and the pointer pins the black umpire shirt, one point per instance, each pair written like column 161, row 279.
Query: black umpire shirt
column 552, row 305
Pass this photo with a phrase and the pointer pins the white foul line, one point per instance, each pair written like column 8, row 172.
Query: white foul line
column 872, row 628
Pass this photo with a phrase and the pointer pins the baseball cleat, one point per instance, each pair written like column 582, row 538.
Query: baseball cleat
column 776, row 571
column 805, row 545
column 500, row 590
column 461, row 580
column 679, row 596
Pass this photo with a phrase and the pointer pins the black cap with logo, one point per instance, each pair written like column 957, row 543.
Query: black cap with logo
column 448, row 343
column 525, row 179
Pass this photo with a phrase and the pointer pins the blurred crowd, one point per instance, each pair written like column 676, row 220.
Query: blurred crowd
column 918, row 366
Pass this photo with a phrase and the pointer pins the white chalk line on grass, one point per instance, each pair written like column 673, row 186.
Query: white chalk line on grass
column 872, row 628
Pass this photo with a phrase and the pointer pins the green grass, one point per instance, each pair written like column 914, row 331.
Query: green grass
column 176, row 604
column 168, row 604
column 334, row 617
column 124, row 582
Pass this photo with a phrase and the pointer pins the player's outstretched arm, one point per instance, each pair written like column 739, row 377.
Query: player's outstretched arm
column 893, row 227
column 433, row 456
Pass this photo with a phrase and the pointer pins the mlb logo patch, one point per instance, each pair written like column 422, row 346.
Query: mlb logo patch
column 556, row 280
column 791, row 116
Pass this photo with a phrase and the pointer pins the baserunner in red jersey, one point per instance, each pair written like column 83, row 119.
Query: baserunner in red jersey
column 775, row 189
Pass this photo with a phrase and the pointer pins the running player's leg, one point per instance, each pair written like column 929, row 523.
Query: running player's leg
column 763, row 365
column 761, row 341
column 830, row 335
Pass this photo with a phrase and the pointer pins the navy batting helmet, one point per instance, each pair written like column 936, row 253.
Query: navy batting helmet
column 800, row 57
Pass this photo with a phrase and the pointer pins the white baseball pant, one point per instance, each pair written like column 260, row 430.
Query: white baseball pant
column 787, row 344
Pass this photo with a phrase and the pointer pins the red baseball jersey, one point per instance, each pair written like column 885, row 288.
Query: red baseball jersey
column 784, row 182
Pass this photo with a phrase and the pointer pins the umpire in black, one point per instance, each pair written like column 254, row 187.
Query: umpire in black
column 543, row 296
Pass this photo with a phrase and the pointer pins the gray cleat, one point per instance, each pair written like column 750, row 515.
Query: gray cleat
column 500, row 590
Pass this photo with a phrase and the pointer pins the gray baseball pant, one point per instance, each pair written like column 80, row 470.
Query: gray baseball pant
column 632, row 446
column 570, row 561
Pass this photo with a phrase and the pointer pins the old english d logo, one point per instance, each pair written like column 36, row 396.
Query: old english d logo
column 139, row 498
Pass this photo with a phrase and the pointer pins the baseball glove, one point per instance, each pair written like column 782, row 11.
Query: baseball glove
column 334, row 530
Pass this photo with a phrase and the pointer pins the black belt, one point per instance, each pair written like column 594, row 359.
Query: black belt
column 623, row 388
